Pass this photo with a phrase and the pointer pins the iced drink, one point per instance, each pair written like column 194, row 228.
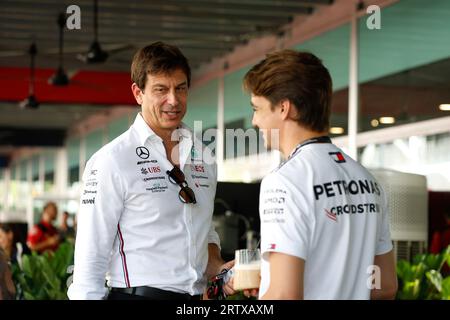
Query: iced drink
column 246, row 269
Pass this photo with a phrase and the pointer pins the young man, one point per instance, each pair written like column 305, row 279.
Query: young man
column 44, row 236
column 143, row 217
column 324, row 218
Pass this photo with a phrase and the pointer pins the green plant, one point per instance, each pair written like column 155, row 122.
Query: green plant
column 240, row 296
column 44, row 277
column 423, row 278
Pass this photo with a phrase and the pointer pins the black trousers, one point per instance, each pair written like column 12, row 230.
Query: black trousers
column 125, row 296
column 148, row 293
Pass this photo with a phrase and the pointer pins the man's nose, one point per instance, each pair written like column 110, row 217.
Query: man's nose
column 172, row 98
column 254, row 124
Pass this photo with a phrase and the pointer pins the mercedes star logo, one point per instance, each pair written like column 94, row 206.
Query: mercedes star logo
column 142, row 152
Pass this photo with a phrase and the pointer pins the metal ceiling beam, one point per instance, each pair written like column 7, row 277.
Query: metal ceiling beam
column 20, row 47
column 237, row 8
column 259, row 2
column 39, row 15
column 137, row 32
column 120, row 13
column 42, row 33
column 9, row 21
column 266, row 8
column 120, row 37
column 185, row 43
column 255, row 3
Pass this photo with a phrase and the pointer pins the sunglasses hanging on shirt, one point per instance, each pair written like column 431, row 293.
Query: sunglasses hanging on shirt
column 186, row 194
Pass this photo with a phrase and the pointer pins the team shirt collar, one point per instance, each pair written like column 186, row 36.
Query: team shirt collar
column 321, row 139
column 145, row 132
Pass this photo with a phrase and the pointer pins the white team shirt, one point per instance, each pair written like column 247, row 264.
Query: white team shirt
column 131, row 222
column 325, row 208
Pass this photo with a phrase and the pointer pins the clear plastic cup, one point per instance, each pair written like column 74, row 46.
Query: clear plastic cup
column 247, row 266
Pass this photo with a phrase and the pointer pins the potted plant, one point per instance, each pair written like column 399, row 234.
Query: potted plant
column 424, row 278
column 44, row 277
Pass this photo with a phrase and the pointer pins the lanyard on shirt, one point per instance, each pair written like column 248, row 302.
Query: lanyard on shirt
column 322, row 139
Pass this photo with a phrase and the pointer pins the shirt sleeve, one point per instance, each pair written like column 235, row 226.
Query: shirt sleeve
column 285, row 226
column 384, row 242
column 213, row 236
column 35, row 236
column 101, row 205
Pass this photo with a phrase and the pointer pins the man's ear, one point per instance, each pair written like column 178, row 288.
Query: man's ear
column 285, row 109
column 288, row 110
column 137, row 93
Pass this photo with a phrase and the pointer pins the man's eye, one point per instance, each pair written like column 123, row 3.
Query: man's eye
column 181, row 89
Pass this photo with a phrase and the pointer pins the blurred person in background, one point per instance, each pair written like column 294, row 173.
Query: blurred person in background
column 441, row 237
column 12, row 248
column 441, row 240
column 44, row 236
column 67, row 227
column 7, row 288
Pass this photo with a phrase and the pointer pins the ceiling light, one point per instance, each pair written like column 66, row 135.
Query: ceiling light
column 94, row 55
column 444, row 107
column 374, row 123
column 336, row 130
column 60, row 78
column 387, row 120
column 29, row 103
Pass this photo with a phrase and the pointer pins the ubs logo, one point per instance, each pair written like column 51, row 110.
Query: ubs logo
column 198, row 168
column 142, row 152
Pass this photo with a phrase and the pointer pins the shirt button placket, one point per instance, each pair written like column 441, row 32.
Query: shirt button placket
column 193, row 249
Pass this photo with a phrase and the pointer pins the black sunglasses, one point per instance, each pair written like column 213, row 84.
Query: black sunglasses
column 186, row 194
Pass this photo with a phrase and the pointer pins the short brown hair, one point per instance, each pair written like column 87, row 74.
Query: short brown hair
column 50, row 204
column 158, row 58
column 299, row 77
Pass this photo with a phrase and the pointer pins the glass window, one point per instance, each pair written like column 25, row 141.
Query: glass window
column 429, row 156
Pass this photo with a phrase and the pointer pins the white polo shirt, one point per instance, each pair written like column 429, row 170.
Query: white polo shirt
column 131, row 222
column 325, row 208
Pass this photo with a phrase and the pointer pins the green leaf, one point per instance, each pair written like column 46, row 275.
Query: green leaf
column 446, row 288
column 418, row 271
column 28, row 296
column 446, row 255
column 403, row 268
column 26, row 265
column 435, row 278
column 419, row 258
column 41, row 294
column 433, row 261
column 410, row 290
column 52, row 281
